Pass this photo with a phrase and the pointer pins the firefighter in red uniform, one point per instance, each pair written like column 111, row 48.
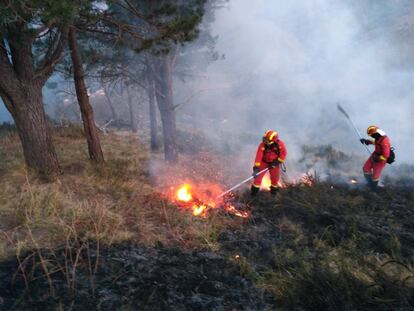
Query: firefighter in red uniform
column 270, row 154
column 378, row 159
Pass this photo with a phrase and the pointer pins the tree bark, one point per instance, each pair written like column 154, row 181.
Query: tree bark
column 91, row 132
column 155, row 143
column 132, row 111
column 34, row 132
column 164, row 94
column 21, row 91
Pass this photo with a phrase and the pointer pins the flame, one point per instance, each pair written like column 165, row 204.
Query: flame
column 202, row 198
column 198, row 210
column 183, row 194
column 266, row 182
column 304, row 179
column 231, row 209
column 353, row 181
column 199, row 202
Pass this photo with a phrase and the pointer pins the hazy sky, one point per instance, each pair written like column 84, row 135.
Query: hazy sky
column 4, row 114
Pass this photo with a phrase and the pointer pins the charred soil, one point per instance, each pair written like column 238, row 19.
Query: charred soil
column 327, row 248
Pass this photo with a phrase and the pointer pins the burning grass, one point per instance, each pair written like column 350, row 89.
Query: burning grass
column 201, row 202
column 113, row 203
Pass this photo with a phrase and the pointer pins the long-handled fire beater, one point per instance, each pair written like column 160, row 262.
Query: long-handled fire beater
column 242, row 183
column 342, row 110
column 248, row 179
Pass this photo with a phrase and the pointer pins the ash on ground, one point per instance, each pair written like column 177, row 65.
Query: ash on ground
column 136, row 278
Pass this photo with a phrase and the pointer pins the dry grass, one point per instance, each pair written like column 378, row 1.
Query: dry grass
column 109, row 204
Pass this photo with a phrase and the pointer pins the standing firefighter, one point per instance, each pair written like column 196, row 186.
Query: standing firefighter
column 379, row 158
column 270, row 154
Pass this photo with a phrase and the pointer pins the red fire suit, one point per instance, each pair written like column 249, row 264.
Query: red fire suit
column 265, row 156
column 378, row 159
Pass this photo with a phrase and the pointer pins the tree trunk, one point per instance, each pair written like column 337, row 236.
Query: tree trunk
column 21, row 86
column 92, row 137
column 132, row 111
column 164, row 95
column 155, row 143
column 114, row 112
column 26, row 107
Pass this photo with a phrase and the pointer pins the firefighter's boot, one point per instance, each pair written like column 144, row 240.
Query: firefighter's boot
column 274, row 190
column 254, row 190
column 371, row 184
column 374, row 185
column 368, row 178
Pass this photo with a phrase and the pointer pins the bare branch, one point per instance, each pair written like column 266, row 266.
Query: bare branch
column 53, row 55
column 129, row 7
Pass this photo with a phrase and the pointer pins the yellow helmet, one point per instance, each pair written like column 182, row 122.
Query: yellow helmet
column 372, row 129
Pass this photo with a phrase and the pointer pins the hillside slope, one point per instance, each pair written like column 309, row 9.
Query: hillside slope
column 107, row 239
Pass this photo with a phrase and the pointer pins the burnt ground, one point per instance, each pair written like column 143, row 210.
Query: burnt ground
column 376, row 222
column 309, row 248
column 135, row 278
column 331, row 248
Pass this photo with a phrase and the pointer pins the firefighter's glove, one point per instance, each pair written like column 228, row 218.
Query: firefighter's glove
column 275, row 163
column 364, row 141
column 256, row 171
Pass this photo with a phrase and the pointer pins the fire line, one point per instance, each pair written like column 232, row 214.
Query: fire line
column 187, row 197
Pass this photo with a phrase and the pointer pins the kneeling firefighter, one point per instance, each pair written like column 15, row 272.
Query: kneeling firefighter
column 382, row 155
column 270, row 154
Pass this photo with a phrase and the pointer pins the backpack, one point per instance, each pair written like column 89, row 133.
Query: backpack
column 391, row 158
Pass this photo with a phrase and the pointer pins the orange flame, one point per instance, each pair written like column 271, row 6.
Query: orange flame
column 201, row 203
column 231, row 209
column 266, row 182
column 353, row 181
column 199, row 210
column 183, row 194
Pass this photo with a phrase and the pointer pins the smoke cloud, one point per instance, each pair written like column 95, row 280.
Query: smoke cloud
column 288, row 63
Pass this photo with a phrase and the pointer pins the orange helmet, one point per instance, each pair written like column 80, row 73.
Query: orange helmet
column 372, row 129
column 270, row 137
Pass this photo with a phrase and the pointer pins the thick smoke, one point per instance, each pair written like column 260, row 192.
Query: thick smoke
column 288, row 63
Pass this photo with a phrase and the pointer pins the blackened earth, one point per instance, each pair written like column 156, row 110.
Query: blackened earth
column 136, row 278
